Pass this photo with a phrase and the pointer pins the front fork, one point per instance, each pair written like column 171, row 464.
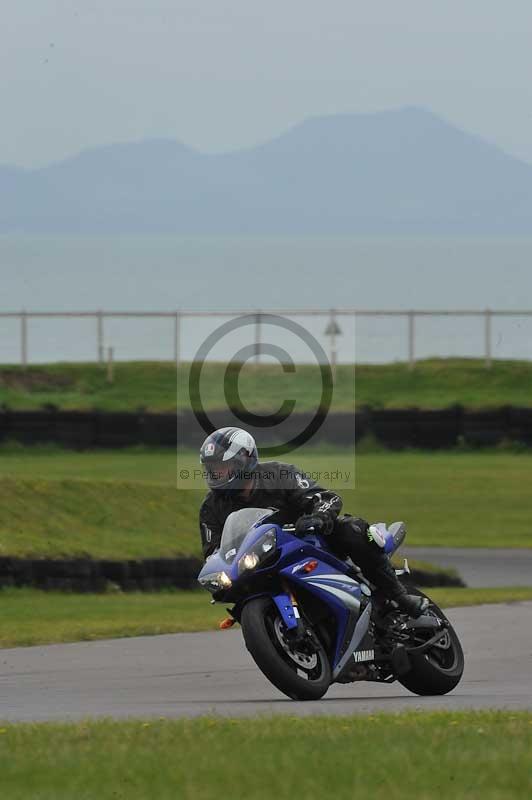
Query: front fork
column 288, row 608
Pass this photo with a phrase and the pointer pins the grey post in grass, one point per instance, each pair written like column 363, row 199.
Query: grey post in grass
column 332, row 331
column 110, row 365
column 24, row 339
column 411, row 340
column 99, row 334
column 177, row 338
column 487, row 337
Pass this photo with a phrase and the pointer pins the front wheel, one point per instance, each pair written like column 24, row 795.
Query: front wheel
column 299, row 670
column 438, row 670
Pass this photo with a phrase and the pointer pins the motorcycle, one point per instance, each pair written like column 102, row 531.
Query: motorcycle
column 310, row 619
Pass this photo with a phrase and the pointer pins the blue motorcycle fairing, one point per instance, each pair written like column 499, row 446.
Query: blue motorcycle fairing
column 214, row 563
column 288, row 545
column 283, row 603
column 218, row 561
column 329, row 581
column 340, row 592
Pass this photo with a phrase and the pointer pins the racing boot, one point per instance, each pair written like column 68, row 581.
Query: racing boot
column 384, row 577
column 354, row 537
column 412, row 604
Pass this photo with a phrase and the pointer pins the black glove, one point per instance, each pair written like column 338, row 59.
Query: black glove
column 321, row 523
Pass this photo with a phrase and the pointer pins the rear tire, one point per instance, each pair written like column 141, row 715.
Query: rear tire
column 263, row 631
column 439, row 670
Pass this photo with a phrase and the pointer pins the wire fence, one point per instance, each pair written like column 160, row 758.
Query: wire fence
column 334, row 324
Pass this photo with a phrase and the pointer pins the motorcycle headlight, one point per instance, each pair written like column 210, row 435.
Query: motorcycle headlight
column 259, row 552
column 216, row 581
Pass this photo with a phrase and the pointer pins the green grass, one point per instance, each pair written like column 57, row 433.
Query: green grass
column 133, row 464
column 435, row 383
column 125, row 504
column 137, row 385
column 104, row 519
column 443, row 382
column 30, row 617
column 455, row 597
column 472, row 755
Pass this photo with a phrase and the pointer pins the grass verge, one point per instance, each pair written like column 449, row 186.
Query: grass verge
column 124, row 503
column 151, row 385
column 30, row 617
column 103, row 519
column 469, row 755
column 455, row 597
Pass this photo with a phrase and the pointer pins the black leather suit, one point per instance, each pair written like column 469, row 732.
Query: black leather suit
column 287, row 489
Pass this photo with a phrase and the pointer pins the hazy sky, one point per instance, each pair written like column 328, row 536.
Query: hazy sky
column 219, row 74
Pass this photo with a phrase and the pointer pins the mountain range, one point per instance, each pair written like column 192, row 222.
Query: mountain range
column 405, row 171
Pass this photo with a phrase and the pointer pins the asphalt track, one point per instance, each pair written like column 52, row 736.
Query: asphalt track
column 479, row 566
column 194, row 674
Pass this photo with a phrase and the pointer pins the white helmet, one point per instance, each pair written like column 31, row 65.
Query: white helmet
column 229, row 456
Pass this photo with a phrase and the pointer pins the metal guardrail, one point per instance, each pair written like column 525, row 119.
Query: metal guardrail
column 410, row 316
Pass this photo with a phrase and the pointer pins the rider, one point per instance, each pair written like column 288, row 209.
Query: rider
column 237, row 480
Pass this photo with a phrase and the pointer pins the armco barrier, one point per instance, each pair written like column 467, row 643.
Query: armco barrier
column 394, row 428
column 151, row 574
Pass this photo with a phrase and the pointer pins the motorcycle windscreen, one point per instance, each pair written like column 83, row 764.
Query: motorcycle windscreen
column 237, row 526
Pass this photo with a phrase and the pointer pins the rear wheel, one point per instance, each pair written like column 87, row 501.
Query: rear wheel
column 439, row 669
column 300, row 670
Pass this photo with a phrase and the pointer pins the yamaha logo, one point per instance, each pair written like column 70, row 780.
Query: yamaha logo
column 364, row 655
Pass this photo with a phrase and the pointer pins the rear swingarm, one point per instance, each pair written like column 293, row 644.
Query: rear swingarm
column 422, row 648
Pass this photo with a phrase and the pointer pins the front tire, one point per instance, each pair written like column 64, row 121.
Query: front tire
column 440, row 669
column 301, row 674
